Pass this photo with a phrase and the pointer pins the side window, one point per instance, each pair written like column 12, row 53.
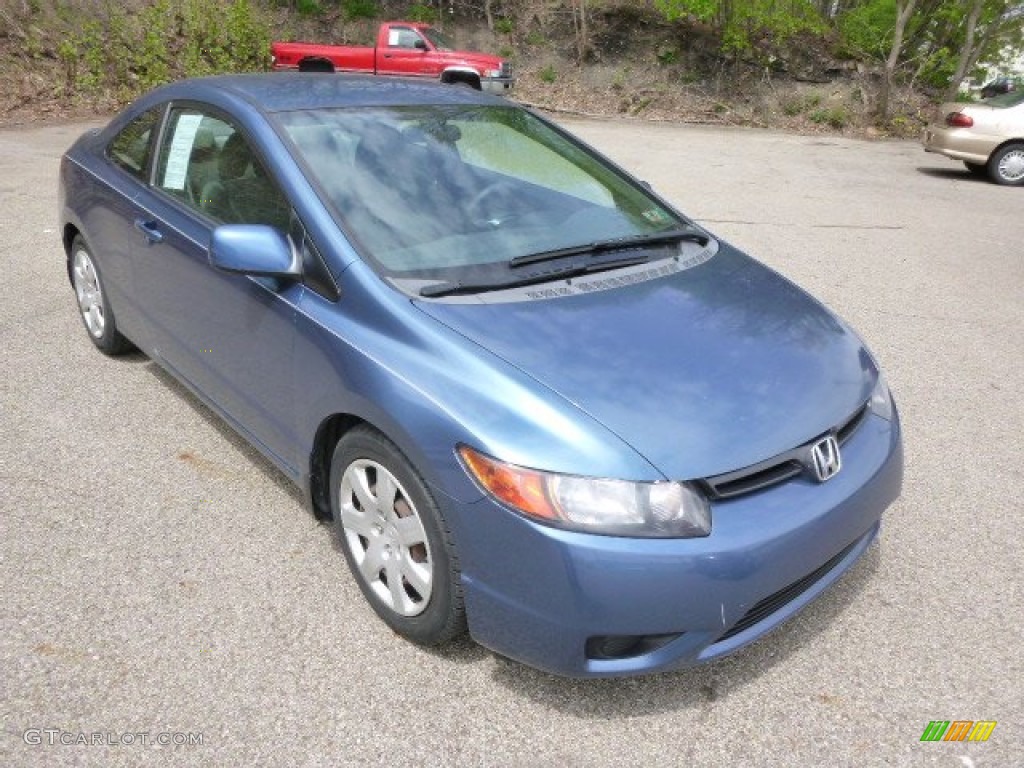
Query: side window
column 402, row 37
column 207, row 163
column 130, row 148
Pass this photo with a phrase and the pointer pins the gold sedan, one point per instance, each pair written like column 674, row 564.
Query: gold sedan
column 988, row 137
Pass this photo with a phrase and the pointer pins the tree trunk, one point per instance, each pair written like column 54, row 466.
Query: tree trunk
column 904, row 10
column 967, row 54
column 579, row 22
column 489, row 14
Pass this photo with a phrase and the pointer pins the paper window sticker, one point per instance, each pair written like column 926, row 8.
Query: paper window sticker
column 181, row 151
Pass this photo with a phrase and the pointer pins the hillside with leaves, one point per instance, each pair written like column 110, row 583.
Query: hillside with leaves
column 875, row 65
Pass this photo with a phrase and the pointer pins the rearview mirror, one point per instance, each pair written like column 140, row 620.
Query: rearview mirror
column 254, row 249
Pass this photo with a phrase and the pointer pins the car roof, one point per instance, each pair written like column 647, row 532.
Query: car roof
column 289, row 91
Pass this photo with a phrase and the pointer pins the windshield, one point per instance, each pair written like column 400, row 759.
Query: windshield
column 439, row 40
column 456, row 192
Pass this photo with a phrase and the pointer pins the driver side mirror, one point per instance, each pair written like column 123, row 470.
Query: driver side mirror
column 254, row 249
column 420, row 44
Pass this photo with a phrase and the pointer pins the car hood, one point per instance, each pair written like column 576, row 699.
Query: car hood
column 702, row 372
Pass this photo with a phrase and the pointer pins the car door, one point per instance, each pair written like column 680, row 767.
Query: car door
column 401, row 56
column 228, row 336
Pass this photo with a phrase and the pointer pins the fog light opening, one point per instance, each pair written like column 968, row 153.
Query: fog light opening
column 610, row 647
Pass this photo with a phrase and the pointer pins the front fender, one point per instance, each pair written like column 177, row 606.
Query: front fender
column 372, row 355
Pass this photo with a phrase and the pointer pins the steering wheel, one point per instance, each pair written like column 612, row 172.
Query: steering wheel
column 495, row 204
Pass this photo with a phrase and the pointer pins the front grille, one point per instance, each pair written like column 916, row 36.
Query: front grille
column 774, row 602
column 750, row 481
column 506, row 69
column 845, row 432
column 777, row 469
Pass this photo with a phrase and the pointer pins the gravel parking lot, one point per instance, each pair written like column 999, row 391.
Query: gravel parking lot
column 162, row 582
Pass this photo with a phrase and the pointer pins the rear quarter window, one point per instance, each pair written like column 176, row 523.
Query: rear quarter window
column 130, row 149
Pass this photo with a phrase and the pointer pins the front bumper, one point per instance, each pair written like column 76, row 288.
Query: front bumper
column 964, row 144
column 498, row 85
column 538, row 594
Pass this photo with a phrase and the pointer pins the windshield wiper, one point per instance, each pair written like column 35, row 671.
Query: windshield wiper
column 614, row 244
column 456, row 288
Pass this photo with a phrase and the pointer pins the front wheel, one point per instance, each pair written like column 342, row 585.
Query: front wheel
column 1006, row 166
column 395, row 539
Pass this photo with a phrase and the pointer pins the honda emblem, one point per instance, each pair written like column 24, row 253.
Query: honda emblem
column 825, row 458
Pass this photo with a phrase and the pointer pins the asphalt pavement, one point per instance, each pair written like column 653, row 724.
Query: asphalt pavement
column 168, row 601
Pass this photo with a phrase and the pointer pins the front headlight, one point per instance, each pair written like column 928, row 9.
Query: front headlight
column 592, row 505
column 492, row 73
column 881, row 399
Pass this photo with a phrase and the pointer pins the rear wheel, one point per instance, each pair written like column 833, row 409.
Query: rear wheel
column 1006, row 166
column 395, row 539
column 93, row 303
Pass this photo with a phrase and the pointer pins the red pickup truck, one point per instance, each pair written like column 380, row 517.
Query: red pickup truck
column 403, row 48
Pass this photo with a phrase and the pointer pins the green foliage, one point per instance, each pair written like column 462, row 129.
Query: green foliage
column 153, row 66
column 834, row 117
column 548, row 74
column 867, row 28
column 701, row 10
column 504, row 26
column 799, row 105
column 423, row 13
column 535, row 37
column 119, row 55
column 741, row 22
column 938, row 68
column 308, row 7
column 359, row 9
column 667, row 55
column 221, row 37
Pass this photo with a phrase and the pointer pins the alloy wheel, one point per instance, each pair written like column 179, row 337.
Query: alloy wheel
column 89, row 293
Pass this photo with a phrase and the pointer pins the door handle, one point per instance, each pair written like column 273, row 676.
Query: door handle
column 150, row 230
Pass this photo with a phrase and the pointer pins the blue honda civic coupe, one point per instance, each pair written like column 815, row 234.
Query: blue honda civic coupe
column 538, row 403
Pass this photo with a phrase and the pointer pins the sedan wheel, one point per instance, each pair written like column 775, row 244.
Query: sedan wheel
column 1006, row 166
column 395, row 540
column 93, row 303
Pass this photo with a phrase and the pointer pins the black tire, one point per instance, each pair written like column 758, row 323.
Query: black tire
column 1006, row 165
column 93, row 301
column 411, row 577
column 976, row 169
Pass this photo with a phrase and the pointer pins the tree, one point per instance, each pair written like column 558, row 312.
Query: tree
column 988, row 22
column 579, row 24
column 904, row 10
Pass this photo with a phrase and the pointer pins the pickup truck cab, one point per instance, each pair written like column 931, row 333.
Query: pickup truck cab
column 403, row 48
